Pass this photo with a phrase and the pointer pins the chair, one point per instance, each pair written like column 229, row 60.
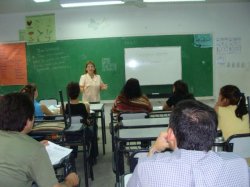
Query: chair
column 124, row 179
column 239, row 144
column 79, row 138
column 135, row 156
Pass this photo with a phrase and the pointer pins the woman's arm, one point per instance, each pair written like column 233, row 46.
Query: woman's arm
column 87, row 106
column 46, row 111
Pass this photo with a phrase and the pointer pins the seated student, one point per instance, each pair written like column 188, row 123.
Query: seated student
column 76, row 108
column 180, row 92
column 80, row 109
column 40, row 109
column 232, row 111
column 191, row 134
column 131, row 99
column 23, row 159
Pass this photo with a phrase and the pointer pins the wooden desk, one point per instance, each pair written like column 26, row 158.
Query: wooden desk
column 99, row 109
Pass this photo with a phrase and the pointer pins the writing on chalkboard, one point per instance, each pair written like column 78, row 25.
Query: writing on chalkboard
column 107, row 65
column 50, row 59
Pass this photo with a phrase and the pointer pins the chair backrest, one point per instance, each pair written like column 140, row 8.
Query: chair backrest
column 132, row 115
column 76, row 119
column 49, row 102
column 125, row 178
column 67, row 123
column 135, row 156
column 239, row 144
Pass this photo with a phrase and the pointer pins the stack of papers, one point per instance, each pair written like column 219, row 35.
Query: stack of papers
column 56, row 152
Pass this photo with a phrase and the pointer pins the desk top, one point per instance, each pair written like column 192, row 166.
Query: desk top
column 96, row 107
column 142, row 133
column 145, row 122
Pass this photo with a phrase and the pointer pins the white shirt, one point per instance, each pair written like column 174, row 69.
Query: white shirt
column 91, row 87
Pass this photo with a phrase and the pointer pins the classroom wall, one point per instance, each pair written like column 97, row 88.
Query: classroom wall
column 226, row 21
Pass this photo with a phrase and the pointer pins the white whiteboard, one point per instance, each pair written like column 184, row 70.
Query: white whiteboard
column 153, row 65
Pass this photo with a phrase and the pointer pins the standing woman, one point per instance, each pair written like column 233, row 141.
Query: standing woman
column 91, row 84
column 232, row 111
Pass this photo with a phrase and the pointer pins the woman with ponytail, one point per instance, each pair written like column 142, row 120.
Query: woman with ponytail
column 232, row 111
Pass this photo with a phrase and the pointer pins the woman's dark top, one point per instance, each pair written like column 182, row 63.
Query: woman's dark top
column 77, row 110
column 175, row 98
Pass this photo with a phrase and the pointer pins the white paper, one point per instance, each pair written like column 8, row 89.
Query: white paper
column 56, row 152
column 156, row 108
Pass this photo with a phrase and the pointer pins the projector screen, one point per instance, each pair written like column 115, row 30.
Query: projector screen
column 153, row 65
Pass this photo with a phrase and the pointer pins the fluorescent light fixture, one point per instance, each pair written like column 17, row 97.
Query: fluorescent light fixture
column 79, row 3
column 41, row 1
column 159, row 1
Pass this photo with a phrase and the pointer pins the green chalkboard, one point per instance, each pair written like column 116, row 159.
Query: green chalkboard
column 51, row 66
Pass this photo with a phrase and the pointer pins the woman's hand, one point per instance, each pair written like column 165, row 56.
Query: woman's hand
column 160, row 145
column 104, row 86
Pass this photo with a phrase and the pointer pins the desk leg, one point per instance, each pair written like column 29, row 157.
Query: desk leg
column 103, row 131
column 103, row 125
column 85, row 162
column 119, row 160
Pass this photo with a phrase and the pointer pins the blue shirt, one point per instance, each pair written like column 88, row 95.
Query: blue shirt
column 187, row 168
column 38, row 110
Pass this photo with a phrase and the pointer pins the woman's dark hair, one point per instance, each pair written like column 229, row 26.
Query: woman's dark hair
column 15, row 110
column 73, row 90
column 92, row 63
column 181, row 88
column 194, row 125
column 132, row 89
column 29, row 89
column 235, row 97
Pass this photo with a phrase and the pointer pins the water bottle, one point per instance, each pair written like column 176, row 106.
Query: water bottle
column 219, row 142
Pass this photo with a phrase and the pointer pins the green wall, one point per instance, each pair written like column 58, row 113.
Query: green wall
column 51, row 66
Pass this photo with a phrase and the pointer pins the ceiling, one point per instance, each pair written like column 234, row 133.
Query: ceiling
column 17, row 6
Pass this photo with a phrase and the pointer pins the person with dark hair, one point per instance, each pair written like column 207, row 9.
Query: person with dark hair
column 232, row 111
column 79, row 109
column 40, row 109
column 23, row 159
column 91, row 84
column 190, row 135
column 180, row 92
column 76, row 108
column 131, row 99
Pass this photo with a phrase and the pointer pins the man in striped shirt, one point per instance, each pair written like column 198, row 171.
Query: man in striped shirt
column 191, row 163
